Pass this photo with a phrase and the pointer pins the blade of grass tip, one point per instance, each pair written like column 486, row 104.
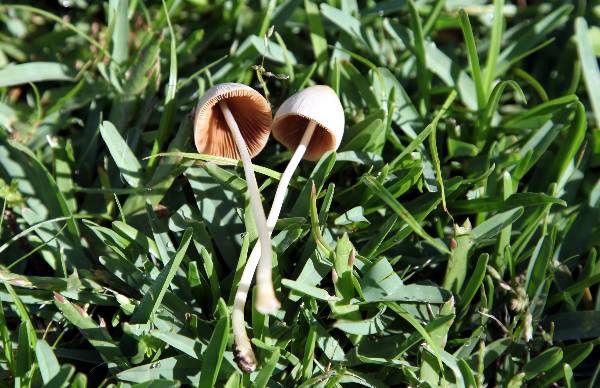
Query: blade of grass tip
column 433, row 146
column 417, row 141
column 166, row 119
column 589, row 65
column 533, row 82
column 494, row 49
column 98, row 337
column 465, row 24
column 541, row 109
column 379, row 190
column 493, row 102
column 423, row 75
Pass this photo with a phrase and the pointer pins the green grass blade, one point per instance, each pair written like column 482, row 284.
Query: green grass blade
column 98, row 336
column 154, row 296
column 267, row 370
column 58, row 20
column 437, row 9
column 6, row 341
column 124, row 158
column 46, row 361
column 493, row 103
column 456, row 269
column 436, row 162
column 575, row 136
column 398, row 309
column 500, row 258
column 533, row 83
column 379, row 190
column 167, row 118
column 589, row 64
column 423, row 76
column 542, row 362
column 61, row 379
column 72, row 225
column 573, row 355
column 420, row 138
column 475, row 281
column 465, row 24
column 494, row 49
column 216, row 347
column 317, row 32
column 24, row 352
column 24, row 73
column 494, row 225
column 120, row 36
column 63, row 173
column 23, row 314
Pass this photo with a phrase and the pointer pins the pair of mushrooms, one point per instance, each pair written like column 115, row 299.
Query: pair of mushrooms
column 234, row 121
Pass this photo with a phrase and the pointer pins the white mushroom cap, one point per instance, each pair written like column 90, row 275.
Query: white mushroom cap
column 320, row 104
column 251, row 111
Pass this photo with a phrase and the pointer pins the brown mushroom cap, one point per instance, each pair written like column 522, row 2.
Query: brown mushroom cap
column 251, row 112
column 319, row 103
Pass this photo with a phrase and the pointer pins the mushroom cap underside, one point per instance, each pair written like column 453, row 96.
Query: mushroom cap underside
column 251, row 111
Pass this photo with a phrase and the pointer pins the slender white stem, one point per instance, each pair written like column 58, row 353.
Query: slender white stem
column 257, row 210
column 239, row 325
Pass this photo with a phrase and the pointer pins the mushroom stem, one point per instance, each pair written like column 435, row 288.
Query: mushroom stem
column 286, row 177
column 264, row 302
column 244, row 353
column 264, row 236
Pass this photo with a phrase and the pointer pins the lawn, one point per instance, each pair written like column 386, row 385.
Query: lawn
column 451, row 239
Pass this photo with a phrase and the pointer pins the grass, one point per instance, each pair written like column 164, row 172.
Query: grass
column 452, row 240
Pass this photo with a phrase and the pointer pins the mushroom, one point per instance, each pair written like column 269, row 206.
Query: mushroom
column 232, row 120
column 310, row 123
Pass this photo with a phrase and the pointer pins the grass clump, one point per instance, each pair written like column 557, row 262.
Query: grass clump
column 450, row 241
